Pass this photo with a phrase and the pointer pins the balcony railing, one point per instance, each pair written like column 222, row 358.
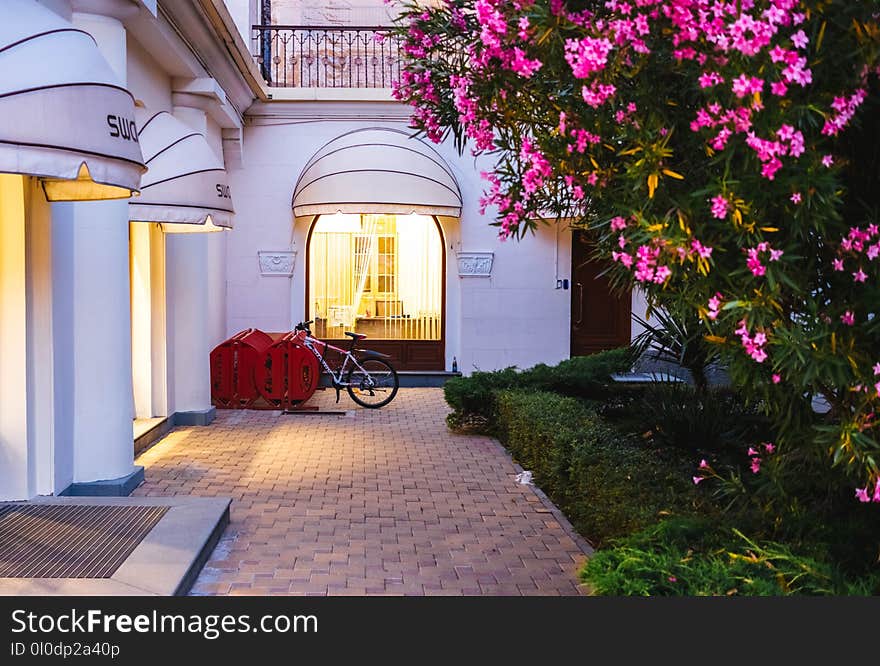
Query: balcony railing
column 294, row 56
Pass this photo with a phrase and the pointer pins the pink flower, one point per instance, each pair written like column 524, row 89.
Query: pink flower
column 877, row 386
column 752, row 451
column 704, row 464
column 756, row 465
column 698, row 480
column 848, row 318
column 838, row 264
column 719, row 207
column 744, row 85
column 800, row 39
column 876, row 369
column 859, row 276
column 618, row 223
column 862, row 495
column 709, row 79
column 828, row 160
column 778, row 88
column 714, row 306
column 776, row 378
column 672, row 579
column 769, row 447
column 796, row 198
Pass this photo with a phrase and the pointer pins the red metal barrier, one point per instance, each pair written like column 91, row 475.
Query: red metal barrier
column 288, row 374
column 233, row 365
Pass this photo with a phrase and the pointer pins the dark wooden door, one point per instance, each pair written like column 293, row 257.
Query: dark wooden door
column 599, row 319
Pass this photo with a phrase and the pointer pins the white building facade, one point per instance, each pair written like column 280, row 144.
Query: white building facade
column 278, row 182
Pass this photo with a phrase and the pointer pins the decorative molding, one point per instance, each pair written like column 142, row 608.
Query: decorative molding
column 277, row 263
column 475, row 264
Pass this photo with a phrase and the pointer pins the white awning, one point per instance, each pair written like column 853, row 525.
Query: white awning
column 63, row 115
column 377, row 170
column 186, row 188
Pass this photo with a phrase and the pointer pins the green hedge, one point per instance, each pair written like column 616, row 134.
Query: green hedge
column 472, row 398
column 606, row 483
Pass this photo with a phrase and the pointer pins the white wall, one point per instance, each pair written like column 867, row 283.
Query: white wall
column 515, row 317
column 245, row 13
column 147, row 81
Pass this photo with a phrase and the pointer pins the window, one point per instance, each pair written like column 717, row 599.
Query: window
column 380, row 275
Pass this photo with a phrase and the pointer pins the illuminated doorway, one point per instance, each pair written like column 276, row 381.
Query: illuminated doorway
column 383, row 276
column 148, row 365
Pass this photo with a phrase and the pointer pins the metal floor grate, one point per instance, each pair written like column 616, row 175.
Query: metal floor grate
column 70, row 541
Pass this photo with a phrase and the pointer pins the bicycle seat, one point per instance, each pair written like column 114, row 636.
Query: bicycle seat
column 356, row 336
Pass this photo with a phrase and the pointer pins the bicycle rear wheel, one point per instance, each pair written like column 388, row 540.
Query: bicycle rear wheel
column 374, row 386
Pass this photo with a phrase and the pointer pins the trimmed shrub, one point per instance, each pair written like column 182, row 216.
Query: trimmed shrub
column 606, row 482
column 687, row 557
column 473, row 402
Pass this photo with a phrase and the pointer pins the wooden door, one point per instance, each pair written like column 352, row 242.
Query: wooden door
column 599, row 319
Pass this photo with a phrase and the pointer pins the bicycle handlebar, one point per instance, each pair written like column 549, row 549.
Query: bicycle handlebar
column 304, row 325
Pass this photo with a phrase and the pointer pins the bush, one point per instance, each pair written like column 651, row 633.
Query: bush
column 605, row 482
column 714, row 420
column 693, row 557
column 473, row 402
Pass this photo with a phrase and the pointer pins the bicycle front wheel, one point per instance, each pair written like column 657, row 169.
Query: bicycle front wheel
column 374, row 386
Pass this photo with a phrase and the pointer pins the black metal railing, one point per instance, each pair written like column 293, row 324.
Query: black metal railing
column 295, row 56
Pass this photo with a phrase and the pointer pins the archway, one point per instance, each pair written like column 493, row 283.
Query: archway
column 375, row 254
column 382, row 275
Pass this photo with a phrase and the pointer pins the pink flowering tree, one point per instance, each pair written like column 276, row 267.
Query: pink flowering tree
column 723, row 154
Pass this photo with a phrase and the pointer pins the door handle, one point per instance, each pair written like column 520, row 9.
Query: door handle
column 580, row 300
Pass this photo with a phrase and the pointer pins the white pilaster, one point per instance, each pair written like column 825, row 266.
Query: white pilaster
column 188, row 345
column 92, row 295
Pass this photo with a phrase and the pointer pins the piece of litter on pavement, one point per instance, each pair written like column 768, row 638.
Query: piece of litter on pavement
column 524, row 478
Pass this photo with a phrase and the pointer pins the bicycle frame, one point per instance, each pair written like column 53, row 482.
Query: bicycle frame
column 337, row 377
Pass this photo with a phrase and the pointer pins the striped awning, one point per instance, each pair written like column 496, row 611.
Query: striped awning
column 64, row 117
column 377, row 170
column 186, row 188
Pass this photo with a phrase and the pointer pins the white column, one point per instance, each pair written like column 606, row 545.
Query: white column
column 188, row 339
column 92, row 293
column 192, row 282
column 14, row 458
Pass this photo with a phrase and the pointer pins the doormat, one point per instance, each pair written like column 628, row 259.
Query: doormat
column 70, row 541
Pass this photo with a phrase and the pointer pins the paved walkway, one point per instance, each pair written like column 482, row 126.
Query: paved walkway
column 374, row 502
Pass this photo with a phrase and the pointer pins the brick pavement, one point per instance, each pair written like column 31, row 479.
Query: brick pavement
column 374, row 502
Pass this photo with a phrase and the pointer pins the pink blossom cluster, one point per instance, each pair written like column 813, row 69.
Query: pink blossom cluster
column 859, row 245
column 753, row 257
column 587, row 55
column 477, row 128
column 864, row 495
column 844, row 110
column 714, row 306
column 646, row 265
column 753, row 344
column 538, row 169
column 755, row 455
column 720, row 207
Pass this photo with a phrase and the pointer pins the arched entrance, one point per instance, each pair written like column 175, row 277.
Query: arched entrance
column 375, row 254
column 382, row 275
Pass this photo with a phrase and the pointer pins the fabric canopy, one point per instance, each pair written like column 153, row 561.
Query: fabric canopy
column 186, row 188
column 377, row 170
column 63, row 115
